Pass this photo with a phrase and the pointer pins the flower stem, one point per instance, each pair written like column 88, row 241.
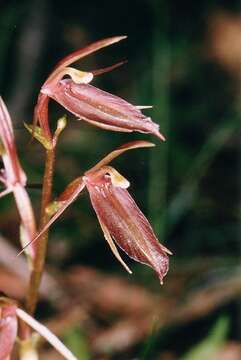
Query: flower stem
column 41, row 245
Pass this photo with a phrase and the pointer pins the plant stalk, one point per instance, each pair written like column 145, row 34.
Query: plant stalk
column 41, row 244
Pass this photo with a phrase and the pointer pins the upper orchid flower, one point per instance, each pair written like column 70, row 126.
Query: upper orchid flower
column 88, row 102
column 120, row 218
column 13, row 177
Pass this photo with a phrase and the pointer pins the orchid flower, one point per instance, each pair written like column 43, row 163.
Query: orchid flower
column 121, row 220
column 13, row 177
column 87, row 102
column 9, row 315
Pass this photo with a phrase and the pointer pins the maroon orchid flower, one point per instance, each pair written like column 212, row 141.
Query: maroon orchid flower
column 13, row 177
column 120, row 218
column 87, row 102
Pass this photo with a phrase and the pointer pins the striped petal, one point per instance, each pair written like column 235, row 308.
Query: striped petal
column 125, row 223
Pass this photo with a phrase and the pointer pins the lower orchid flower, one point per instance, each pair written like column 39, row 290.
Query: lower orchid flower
column 121, row 220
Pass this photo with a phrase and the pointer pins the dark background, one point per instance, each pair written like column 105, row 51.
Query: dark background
column 184, row 59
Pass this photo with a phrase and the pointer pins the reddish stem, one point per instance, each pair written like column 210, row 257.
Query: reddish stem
column 41, row 245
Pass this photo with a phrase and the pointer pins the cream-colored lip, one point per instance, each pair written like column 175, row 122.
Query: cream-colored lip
column 79, row 77
column 116, row 178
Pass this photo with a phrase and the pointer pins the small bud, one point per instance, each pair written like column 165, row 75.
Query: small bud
column 53, row 207
column 61, row 124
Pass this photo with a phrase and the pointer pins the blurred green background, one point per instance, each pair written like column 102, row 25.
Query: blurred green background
column 184, row 59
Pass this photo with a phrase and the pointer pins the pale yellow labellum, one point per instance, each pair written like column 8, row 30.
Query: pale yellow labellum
column 79, row 77
column 116, row 178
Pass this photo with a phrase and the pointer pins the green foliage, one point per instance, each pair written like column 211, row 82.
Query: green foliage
column 76, row 342
column 208, row 347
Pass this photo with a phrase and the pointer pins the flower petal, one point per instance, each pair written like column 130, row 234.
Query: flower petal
column 80, row 53
column 25, row 211
column 101, row 108
column 125, row 223
column 14, row 172
column 15, row 178
column 112, row 245
column 61, row 67
column 108, row 68
column 120, row 150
